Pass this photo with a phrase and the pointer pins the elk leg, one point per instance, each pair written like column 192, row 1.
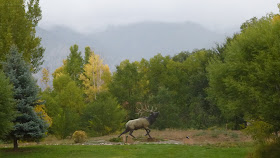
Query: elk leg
column 125, row 131
column 148, row 132
column 130, row 133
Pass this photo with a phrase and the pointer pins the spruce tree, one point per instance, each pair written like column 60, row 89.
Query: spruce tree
column 7, row 105
column 27, row 125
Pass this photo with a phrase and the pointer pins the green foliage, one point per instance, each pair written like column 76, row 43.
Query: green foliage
column 68, row 94
column 74, row 63
column 169, row 113
column 271, row 150
column 118, row 139
column 103, row 116
column 181, row 57
column 157, row 74
column 176, row 86
column 18, row 21
column 65, row 122
column 198, row 112
column 246, row 83
column 125, row 86
column 88, row 52
column 65, row 105
column 260, row 131
column 27, row 125
column 7, row 105
column 51, row 104
column 79, row 136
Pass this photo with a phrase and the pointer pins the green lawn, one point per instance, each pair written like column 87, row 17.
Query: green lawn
column 147, row 150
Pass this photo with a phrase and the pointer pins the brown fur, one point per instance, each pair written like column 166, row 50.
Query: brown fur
column 137, row 123
column 140, row 123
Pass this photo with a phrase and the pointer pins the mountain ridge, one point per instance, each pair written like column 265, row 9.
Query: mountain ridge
column 133, row 42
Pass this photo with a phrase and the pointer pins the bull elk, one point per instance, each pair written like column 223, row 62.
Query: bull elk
column 141, row 123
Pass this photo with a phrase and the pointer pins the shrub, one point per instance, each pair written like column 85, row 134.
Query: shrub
column 270, row 150
column 79, row 136
column 103, row 116
column 118, row 139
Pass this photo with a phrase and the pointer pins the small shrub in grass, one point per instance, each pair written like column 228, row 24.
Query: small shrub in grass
column 79, row 136
column 118, row 139
column 271, row 150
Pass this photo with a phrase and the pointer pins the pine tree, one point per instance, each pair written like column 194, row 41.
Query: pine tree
column 7, row 105
column 27, row 125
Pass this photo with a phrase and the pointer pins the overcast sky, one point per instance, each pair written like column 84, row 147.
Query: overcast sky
column 95, row 15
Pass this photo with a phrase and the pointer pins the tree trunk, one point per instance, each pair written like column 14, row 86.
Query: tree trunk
column 15, row 143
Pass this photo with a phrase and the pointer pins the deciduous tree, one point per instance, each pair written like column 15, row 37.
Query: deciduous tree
column 103, row 116
column 18, row 19
column 95, row 78
column 45, row 78
column 247, row 82
column 74, row 63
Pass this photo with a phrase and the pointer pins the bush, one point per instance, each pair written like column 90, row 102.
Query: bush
column 79, row 136
column 118, row 139
column 103, row 116
column 271, row 150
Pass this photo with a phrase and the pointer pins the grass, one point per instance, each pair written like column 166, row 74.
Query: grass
column 140, row 150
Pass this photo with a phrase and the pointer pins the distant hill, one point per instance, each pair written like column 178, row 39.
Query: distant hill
column 135, row 41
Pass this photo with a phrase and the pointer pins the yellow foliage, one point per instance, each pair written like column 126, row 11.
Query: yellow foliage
column 276, row 19
column 96, row 77
column 79, row 136
column 46, row 77
column 59, row 70
column 40, row 110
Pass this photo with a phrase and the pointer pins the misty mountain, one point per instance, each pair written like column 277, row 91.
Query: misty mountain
column 135, row 41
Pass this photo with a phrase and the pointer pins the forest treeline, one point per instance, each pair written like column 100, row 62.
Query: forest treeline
column 235, row 85
column 231, row 86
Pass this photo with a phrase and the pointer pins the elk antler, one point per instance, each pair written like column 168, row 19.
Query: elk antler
column 144, row 108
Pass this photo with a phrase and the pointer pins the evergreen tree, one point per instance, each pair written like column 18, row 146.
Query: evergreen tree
column 27, row 125
column 7, row 105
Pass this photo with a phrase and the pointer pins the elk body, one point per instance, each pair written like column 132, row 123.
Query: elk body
column 140, row 123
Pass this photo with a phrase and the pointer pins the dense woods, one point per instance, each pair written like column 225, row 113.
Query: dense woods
column 234, row 86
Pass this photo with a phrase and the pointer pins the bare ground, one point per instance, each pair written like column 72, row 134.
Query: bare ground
column 169, row 136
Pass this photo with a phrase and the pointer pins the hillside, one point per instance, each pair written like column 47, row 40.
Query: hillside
column 135, row 41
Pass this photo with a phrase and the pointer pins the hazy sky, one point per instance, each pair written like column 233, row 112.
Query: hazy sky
column 95, row 15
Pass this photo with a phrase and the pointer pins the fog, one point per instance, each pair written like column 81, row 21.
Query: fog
column 89, row 16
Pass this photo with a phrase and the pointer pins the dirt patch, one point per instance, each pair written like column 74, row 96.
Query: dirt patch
column 169, row 136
